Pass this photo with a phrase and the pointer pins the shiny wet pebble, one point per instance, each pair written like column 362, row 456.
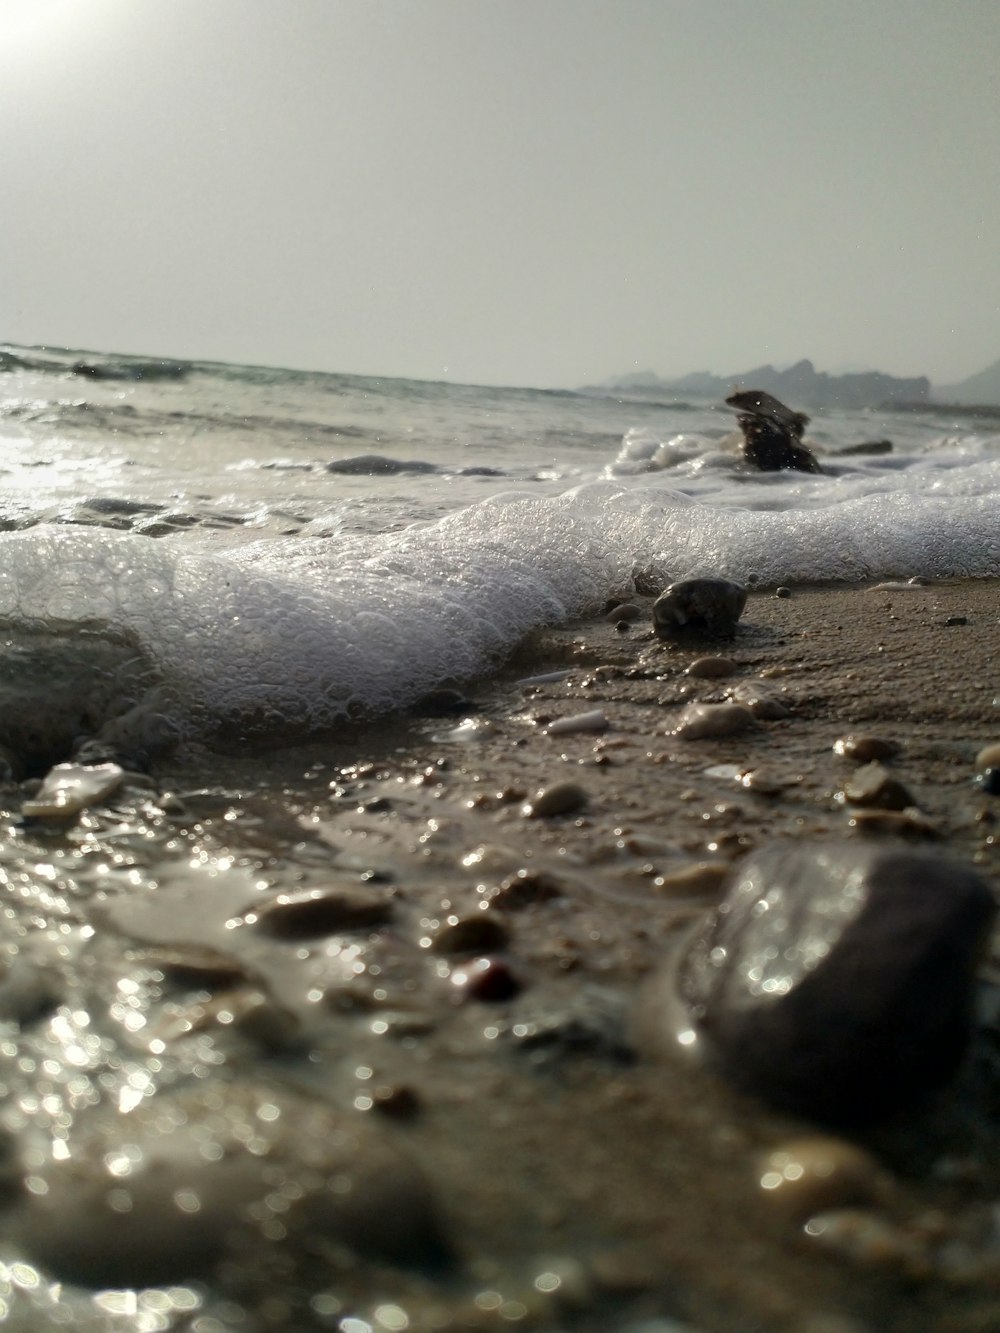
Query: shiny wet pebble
column 711, row 668
column 863, row 749
column 561, row 798
column 701, row 721
column 810, row 1175
column 480, row 934
column 873, row 785
column 306, row 914
column 486, row 979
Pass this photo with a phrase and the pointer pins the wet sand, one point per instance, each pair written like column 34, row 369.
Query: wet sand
column 584, row 1176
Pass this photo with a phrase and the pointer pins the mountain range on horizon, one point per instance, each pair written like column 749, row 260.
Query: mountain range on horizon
column 803, row 383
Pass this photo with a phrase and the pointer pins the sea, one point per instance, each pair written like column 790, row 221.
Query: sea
column 291, row 549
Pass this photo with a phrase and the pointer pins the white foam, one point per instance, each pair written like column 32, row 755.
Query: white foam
column 311, row 631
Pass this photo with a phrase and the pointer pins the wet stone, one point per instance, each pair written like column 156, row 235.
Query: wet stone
column 762, row 700
column 810, row 1175
column 711, row 668
column 866, row 749
column 307, row 914
column 835, row 979
column 485, row 979
column 193, row 1178
column 698, row 606
column 561, row 798
column 708, row 721
column 988, row 757
column 471, row 934
column 873, row 785
column 988, row 781
column 627, row 611
column 523, row 889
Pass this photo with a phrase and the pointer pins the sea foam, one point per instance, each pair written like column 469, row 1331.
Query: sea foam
column 306, row 632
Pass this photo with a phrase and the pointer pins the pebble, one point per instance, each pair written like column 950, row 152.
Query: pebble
column 761, row 699
column 306, row 914
column 711, row 668
column 70, row 788
column 199, row 966
column 873, row 785
column 870, row 1240
column 595, row 720
column 835, row 979
column 486, row 979
column 783, row 592
column 248, row 1011
column 203, row 1174
column 525, row 889
column 988, row 781
column 698, row 879
column 471, row 934
column 988, row 756
column 561, row 798
column 811, row 1175
column 909, row 823
column 703, row 721
column 864, row 749
column 626, row 611
column 698, row 606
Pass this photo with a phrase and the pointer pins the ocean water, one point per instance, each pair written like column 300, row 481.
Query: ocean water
column 290, row 549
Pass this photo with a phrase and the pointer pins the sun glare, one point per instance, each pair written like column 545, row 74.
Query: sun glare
column 29, row 27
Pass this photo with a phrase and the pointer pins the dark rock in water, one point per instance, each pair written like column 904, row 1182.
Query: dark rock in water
column 988, row 781
column 835, row 979
column 772, row 433
column 698, row 606
column 372, row 465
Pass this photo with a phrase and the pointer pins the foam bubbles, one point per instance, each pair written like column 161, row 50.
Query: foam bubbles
column 305, row 632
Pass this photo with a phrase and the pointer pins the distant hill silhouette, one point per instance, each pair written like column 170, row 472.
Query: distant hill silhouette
column 801, row 384
column 981, row 388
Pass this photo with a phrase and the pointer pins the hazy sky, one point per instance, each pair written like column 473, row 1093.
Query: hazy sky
column 505, row 191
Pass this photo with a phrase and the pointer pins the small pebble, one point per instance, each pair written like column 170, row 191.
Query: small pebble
column 956, row 620
column 626, row 611
column 909, row 823
column 869, row 1240
column 471, row 934
column 561, row 798
column 486, row 979
column 864, row 749
column 711, row 668
column 305, row 914
column 699, row 879
column 988, row 757
column 873, row 785
column 811, row 1175
column 522, row 890
column 988, row 781
column 782, row 592
column 703, row 721
column 761, row 699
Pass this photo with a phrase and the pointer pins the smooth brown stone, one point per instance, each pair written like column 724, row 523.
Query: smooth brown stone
column 307, row 914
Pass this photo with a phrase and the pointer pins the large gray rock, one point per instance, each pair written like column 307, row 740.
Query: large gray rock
column 835, row 980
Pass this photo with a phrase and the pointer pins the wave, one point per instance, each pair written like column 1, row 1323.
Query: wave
column 304, row 634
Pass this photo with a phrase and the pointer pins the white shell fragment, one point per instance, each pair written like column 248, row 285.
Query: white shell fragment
column 69, row 788
column 592, row 721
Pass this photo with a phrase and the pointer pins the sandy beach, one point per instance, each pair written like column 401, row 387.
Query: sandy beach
column 490, row 1015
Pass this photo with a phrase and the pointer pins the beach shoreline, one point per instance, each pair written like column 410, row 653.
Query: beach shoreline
column 555, row 1139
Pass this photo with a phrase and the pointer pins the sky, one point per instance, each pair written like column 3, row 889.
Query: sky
column 539, row 192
